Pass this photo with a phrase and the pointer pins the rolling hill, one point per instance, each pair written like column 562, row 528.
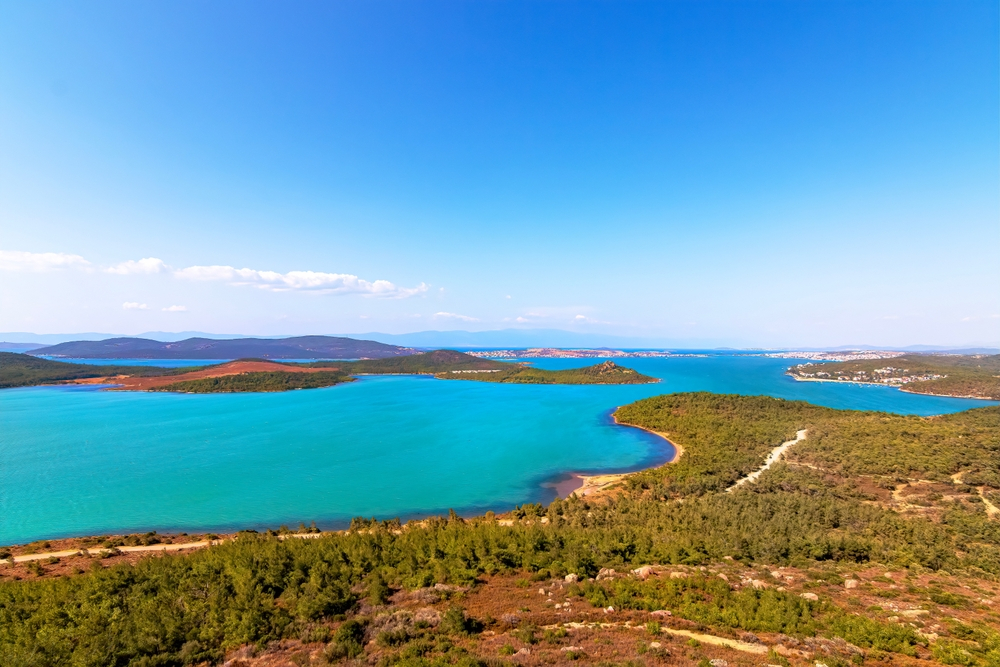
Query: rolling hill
column 301, row 347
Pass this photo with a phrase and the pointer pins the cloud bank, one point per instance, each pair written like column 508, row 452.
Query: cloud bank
column 294, row 281
column 16, row 260
column 301, row 281
column 456, row 316
column 140, row 266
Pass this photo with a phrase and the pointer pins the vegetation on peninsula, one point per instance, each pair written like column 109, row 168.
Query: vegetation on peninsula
column 17, row 370
column 864, row 496
column 265, row 381
column 24, row 370
column 967, row 376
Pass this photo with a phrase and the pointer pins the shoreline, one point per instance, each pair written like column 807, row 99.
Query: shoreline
column 901, row 387
column 588, row 485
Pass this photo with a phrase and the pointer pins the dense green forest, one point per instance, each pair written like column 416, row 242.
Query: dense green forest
column 257, row 381
column 826, row 508
column 24, row 370
column 942, row 375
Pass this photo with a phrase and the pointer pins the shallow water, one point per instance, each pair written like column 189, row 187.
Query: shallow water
column 77, row 460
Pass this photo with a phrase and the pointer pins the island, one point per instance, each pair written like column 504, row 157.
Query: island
column 785, row 534
column 261, row 375
column 961, row 376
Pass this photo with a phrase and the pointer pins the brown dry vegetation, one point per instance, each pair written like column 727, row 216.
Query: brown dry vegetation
column 134, row 383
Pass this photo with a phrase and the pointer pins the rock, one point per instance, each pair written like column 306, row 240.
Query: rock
column 718, row 662
column 758, row 584
column 572, row 648
column 427, row 615
column 660, row 613
column 775, row 574
column 655, row 645
column 571, row 578
column 851, row 583
column 643, row 572
column 523, row 651
column 608, row 610
column 893, row 619
column 541, row 591
column 723, row 577
column 606, row 573
column 750, row 638
column 677, row 575
column 810, row 596
column 914, row 613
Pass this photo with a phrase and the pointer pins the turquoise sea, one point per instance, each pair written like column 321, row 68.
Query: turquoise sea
column 80, row 461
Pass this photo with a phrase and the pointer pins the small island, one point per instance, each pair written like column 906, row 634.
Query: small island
column 259, row 375
column 959, row 376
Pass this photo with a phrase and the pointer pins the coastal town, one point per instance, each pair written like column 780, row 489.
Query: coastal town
column 888, row 375
column 555, row 353
column 847, row 355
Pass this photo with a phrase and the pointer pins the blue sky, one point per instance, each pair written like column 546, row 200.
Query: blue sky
column 742, row 173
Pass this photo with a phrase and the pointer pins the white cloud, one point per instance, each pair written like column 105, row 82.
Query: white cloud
column 132, row 266
column 175, row 309
column 16, row 260
column 306, row 281
column 134, row 305
column 456, row 316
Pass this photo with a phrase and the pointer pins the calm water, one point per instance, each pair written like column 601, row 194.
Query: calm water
column 84, row 461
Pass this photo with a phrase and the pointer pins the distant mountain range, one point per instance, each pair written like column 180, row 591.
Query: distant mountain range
column 499, row 339
column 301, row 347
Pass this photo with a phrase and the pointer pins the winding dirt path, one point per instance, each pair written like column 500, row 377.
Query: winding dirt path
column 771, row 459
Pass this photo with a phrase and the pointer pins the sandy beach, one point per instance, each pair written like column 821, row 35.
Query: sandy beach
column 588, row 485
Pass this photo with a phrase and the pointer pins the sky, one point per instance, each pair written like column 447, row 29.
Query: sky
column 740, row 173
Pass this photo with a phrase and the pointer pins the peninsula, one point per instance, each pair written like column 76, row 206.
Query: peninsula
column 259, row 375
column 963, row 376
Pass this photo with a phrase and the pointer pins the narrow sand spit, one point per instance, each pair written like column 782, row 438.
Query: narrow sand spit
column 771, row 459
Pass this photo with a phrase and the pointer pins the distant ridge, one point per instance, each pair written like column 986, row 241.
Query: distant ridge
column 301, row 347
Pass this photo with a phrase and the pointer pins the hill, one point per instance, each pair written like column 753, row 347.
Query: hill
column 301, row 347
column 23, row 370
column 972, row 376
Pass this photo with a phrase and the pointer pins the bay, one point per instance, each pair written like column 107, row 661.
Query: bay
column 82, row 461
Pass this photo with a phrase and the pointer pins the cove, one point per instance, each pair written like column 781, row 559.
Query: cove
column 80, row 461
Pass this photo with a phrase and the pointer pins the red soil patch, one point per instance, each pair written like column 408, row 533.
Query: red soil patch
column 129, row 383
